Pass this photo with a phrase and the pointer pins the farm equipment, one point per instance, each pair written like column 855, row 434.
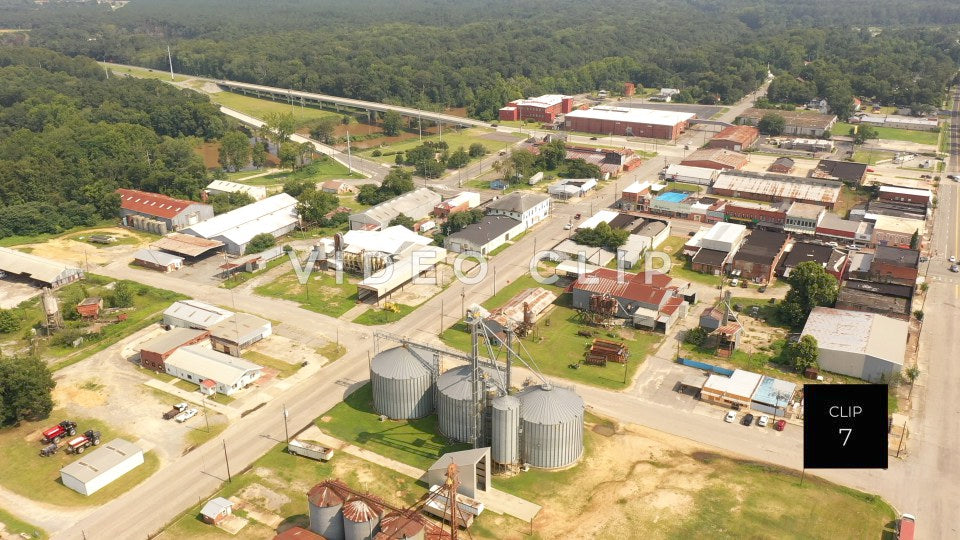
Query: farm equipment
column 78, row 444
column 177, row 409
column 49, row 450
column 59, row 431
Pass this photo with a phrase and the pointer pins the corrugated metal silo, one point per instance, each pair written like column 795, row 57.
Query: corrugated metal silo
column 402, row 383
column 455, row 410
column 326, row 512
column 552, row 422
column 402, row 526
column 360, row 519
column 505, row 436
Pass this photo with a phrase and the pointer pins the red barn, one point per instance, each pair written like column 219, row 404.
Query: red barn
column 90, row 307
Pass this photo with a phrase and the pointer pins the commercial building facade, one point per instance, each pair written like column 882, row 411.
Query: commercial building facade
column 735, row 138
column 416, row 204
column 213, row 371
column 527, row 208
column 715, row 158
column 629, row 122
column 545, row 108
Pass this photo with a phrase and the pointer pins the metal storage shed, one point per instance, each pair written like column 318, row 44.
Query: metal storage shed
column 99, row 468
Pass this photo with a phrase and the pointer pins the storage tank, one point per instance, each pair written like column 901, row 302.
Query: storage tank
column 397, row 525
column 505, row 430
column 326, row 512
column 455, row 410
column 552, row 422
column 402, row 383
column 360, row 519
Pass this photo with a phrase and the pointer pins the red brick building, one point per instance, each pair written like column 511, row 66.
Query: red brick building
column 920, row 197
column 716, row 158
column 756, row 214
column 154, row 353
column 783, row 165
column 735, row 138
column 629, row 89
column 895, row 265
column 90, row 307
column 629, row 122
column 759, row 255
column 542, row 109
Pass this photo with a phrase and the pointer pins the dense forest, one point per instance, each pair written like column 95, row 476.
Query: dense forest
column 480, row 53
column 69, row 137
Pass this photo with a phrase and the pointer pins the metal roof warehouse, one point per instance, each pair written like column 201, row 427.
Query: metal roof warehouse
column 48, row 272
column 275, row 215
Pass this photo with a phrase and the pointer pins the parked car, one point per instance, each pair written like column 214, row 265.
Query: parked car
column 952, row 176
column 954, row 268
column 924, row 259
column 953, row 258
column 734, row 282
column 567, row 227
column 577, row 216
column 730, row 417
column 906, row 526
column 755, row 311
column 186, row 415
column 763, row 421
column 747, row 419
column 780, row 425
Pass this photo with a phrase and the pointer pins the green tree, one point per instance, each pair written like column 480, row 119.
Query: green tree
column 234, row 151
column 459, row 220
column 296, row 188
column 552, row 155
column 863, row 132
column 772, row 124
column 603, row 235
column 578, row 168
column 802, row 354
column 314, row 204
column 696, row 336
column 260, row 242
column 288, row 154
column 25, row 389
column 810, row 286
column 404, row 220
column 915, row 240
column 477, row 150
column 258, row 156
column 280, row 126
column 122, row 295
column 324, row 129
column 458, row 159
column 397, row 182
column 225, row 202
column 392, row 122
column 9, row 322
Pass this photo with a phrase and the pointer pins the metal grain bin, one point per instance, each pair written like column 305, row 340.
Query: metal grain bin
column 402, row 383
column 402, row 526
column 455, row 410
column 326, row 512
column 552, row 422
column 505, row 426
column 361, row 519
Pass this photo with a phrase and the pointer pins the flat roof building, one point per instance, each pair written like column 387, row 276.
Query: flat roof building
column 158, row 213
column 276, row 216
column 94, row 471
column 529, row 208
column 735, row 138
column 802, row 123
column 226, row 374
column 863, row 345
column 545, row 108
column 703, row 176
column 194, row 314
column 237, row 333
column 484, row 236
column 715, row 158
column 759, row 255
column 630, row 122
column 39, row 270
column 847, row 171
column 154, row 352
column 777, row 188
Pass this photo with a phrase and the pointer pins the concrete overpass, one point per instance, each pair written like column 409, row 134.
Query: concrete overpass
column 310, row 98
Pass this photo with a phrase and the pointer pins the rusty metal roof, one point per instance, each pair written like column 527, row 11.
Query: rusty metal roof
column 323, row 496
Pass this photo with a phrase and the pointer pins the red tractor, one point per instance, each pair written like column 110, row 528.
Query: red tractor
column 78, row 444
column 59, row 431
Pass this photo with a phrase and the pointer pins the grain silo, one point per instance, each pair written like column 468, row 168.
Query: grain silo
column 397, row 525
column 456, row 412
column 360, row 519
column 505, row 431
column 402, row 382
column 551, row 420
column 326, row 512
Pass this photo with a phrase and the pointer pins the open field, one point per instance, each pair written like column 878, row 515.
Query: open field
column 12, row 525
column 680, row 267
column 148, row 302
column 554, row 345
column 631, row 479
column 127, row 238
column 893, row 134
column 8, row 241
column 284, row 369
column 850, row 198
column 145, row 73
column 27, row 474
column 378, row 316
column 453, row 138
column 260, row 108
column 332, row 351
column 321, row 293
column 872, row 157
column 322, row 169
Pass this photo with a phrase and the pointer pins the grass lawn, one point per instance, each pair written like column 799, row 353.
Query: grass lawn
column 332, row 351
column 376, row 316
column 850, row 198
column 27, row 474
column 16, row 526
column 284, row 369
column 680, row 267
column 894, row 134
column 321, row 169
column 8, row 241
column 872, row 157
column 131, row 239
column 186, row 385
column 454, row 138
column 683, row 186
column 260, row 108
column 555, row 345
column 242, row 277
column 321, row 294
column 414, row 442
column 146, row 73
column 200, row 435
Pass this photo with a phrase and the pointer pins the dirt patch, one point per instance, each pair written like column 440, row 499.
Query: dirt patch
column 326, row 419
column 83, row 254
column 89, row 393
column 264, row 497
column 210, row 152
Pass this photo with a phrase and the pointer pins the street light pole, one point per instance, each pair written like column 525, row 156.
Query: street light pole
column 227, row 460
column 286, row 430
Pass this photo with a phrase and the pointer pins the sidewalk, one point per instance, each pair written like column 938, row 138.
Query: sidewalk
column 494, row 500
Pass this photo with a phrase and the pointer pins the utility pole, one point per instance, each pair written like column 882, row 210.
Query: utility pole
column 350, row 156
column 170, row 61
column 441, row 317
column 286, row 430
column 226, row 460
column 494, row 280
column 463, row 294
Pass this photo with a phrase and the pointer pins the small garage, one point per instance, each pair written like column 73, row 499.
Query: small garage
column 99, row 468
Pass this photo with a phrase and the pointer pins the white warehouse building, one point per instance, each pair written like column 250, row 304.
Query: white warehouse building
column 99, row 468
column 212, row 370
column 275, row 215
column 858, row 344
column 194, row 314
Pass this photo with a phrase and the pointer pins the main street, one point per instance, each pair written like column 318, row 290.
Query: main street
column 926, row 482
